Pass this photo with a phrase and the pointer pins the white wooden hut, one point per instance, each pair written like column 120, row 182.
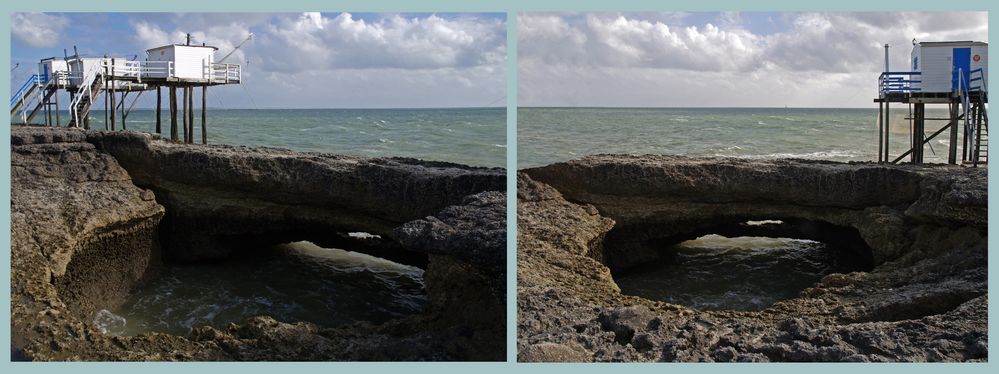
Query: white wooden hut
column 180, row 61
column 939, row 63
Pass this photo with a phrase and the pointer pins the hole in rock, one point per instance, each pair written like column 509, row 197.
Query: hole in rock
column 292, row 282
column 736, row 272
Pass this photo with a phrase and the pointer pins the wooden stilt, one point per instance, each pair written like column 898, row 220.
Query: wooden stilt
column 183, row 113
column 57, row 110
column 107, row 122
column 204, row 114
column 48, row 112
column 881, row 132
column 952, row 151
column 124, row 115
column 159, row 107
column 887, row 132
column 113, row 106
column 190, row 114
column 173, row 113
column 920, row 131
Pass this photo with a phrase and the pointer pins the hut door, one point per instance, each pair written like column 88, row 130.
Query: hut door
column 962, row 62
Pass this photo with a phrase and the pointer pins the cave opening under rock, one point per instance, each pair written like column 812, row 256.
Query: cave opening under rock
column 290, row 282
column 328, row 278
column 747, row 265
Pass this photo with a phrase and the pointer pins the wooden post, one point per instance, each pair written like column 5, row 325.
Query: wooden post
column 106, row 95
column 887, row 131
column 204, row 114
column 113, row 106
column 173, row 113
column 57, row 109
column 183, row 113
column 952, row 152
column 124, row 115
column 881, row 132
column 190, row 114
column 920, row 131
column 159, row 105
column 48, row 110
column 106, row 121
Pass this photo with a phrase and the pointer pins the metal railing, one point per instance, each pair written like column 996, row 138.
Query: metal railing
column 34, row 91
column 976, row 80
column 898, row 82
column 158, row 69
column 25, row 88
column 224, row 73
column 86, row 90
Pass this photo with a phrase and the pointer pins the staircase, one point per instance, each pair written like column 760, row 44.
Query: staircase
column 34, row 94
column 24, row 96
column 90, row 90
column 976, row 120
column 982, row 155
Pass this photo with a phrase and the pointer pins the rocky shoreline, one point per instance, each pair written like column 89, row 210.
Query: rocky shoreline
column 94, row 215
column 923, row 229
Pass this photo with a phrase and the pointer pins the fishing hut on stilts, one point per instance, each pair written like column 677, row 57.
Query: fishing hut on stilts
column 954, row 74
column 178, row 69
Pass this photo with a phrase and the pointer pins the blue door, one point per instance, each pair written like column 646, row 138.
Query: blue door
column 962, row 62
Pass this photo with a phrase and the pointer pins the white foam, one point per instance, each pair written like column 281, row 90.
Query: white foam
column 363, row 235
column 822, row 155
column 109, row 323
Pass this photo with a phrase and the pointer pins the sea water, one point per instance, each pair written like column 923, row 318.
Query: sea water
column 295, row 282
column 742, row 273
column 471, row 136
column 547, row 135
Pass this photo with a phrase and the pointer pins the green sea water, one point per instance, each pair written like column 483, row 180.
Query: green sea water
column 547, row 135
column 471, row 136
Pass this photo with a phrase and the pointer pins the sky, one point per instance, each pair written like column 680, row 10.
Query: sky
column 299, row 60
column 721, row 59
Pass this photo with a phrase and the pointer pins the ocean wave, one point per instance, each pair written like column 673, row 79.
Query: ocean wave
column 822, row 155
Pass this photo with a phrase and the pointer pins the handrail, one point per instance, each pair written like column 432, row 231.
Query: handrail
column 979, row 78
column 969, row 123
column 86, row 89
column 19, row 95
column 225, row 73
column 898, row 82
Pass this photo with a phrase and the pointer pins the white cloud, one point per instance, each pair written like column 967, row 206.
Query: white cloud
column 313, row 41
column 822, row 59
column 37, row 30
column 345, row 61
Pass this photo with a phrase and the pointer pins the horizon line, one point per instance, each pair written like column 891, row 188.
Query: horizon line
column 685, row 107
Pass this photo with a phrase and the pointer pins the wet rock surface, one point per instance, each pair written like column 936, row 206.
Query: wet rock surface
column 93, row 215
column 924, row 228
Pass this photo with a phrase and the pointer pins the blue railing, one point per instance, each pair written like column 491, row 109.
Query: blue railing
column 16, row 97
column 898, row 82
column 976, row 80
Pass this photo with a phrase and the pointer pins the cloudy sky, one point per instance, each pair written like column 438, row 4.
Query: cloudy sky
column 310, row 60
column 720, row 59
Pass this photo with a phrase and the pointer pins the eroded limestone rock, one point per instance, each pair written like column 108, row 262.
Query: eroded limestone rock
column 925, row 299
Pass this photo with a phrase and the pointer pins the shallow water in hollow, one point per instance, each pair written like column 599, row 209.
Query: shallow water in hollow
column 290, row 282
column 742, row 273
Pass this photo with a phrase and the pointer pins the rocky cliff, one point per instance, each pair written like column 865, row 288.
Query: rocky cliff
column 94, row 214
column 923, row 229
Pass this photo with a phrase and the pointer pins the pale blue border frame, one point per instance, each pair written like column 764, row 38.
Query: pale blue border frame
column 511, row 7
